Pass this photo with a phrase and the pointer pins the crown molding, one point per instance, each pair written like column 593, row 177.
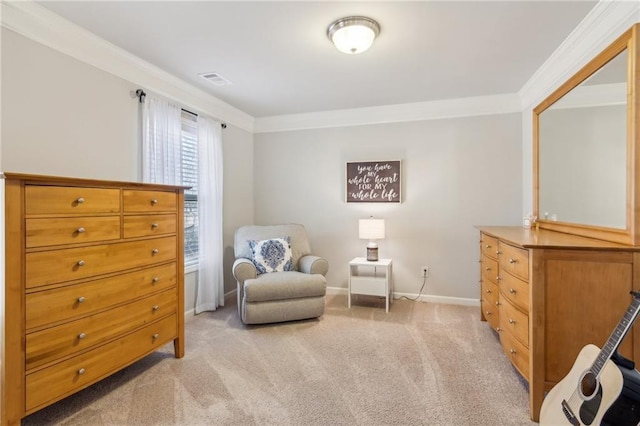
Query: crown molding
column 37, row 23
column 607, row 20
column 450, row 108
column 602, row 25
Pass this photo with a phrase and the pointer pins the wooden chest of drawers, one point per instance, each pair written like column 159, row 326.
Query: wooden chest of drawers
column 94, row 281
column 556, row 293
column 489, row 280
column 504, row 297
column 513, row 276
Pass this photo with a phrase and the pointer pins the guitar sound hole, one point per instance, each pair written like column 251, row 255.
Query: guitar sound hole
column 588, row 384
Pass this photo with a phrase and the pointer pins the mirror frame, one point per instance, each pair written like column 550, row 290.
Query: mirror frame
column 630, row 234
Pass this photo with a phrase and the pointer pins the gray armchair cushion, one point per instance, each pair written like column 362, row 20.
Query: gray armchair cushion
column 284, row 285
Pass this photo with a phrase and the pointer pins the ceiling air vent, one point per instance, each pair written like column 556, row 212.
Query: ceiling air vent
column 215, row 78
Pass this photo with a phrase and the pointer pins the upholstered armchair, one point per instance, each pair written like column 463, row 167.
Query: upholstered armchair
column 278, row 278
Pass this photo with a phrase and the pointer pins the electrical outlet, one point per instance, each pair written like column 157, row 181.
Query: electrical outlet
column 424, row 271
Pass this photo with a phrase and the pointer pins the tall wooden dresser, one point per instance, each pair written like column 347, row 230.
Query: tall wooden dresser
column 94, row 281
column 556, row 293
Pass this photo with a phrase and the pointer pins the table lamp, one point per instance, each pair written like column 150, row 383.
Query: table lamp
column 371, row 229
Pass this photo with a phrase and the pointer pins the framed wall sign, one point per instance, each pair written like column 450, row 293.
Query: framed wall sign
column 373, row 182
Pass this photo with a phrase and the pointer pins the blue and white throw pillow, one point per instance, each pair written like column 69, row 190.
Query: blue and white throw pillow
column 272, row 255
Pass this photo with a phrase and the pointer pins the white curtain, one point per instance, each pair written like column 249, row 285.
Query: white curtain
column 161, row 163
column 210, row 288
column 161, row 142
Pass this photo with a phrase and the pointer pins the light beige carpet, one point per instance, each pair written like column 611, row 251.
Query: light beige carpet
column 420, row 364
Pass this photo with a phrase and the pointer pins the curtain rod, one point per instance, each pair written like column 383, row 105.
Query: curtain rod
column 140, row 94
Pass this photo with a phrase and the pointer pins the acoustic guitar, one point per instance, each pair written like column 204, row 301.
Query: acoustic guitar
column 594, row 382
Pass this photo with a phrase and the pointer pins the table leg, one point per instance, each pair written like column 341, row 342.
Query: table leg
column 349, row 289
column 386, row 289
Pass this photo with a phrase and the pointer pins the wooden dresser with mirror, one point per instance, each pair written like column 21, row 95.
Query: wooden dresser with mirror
column 93, row 282
column 550, row 290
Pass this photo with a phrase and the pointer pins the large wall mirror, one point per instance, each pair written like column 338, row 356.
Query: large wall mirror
column 585, row 148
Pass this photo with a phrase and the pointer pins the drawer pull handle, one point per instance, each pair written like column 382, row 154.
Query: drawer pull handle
column 154, row 280
column 81, row 299
column 81, row 372
column 512, row 351
column 155, row 336
column 498, row 278
column 81, row 336
column 155, row 307
column 487, row 246
column 512, row 290
column 498, row 329
column 80, row 263
column 497, row 303
column 512, row 260
column 154, row 201
column 80, row 200
column 512, row 321
column 155, row 251
column 154, row 225
column 487, row 313
column 80, row 230
column 487, row 268
column 488, row 291
column 498, row 252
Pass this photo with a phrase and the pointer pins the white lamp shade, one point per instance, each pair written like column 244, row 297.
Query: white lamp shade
column 371, row 229
column 353, row 34
column 353, row 39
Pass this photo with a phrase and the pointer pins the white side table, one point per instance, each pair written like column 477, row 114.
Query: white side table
column 364, row 279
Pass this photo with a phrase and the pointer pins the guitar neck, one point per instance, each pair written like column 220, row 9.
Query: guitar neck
column 617, row 335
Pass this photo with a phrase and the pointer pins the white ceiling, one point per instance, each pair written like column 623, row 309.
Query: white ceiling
column 280, row 61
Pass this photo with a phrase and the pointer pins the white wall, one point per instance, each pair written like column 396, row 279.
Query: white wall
column 63, row 117
column 238, row 192
column 456, row 173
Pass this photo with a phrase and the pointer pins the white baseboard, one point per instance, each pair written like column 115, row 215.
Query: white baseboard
column 423, row 298
column 189, row 315
column 463, row 301
column 229, row 298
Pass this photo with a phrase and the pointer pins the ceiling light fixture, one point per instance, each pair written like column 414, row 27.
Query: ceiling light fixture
column 353, row 34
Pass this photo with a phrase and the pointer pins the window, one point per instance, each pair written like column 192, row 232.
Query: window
column 189, row 160
column 170, row 156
